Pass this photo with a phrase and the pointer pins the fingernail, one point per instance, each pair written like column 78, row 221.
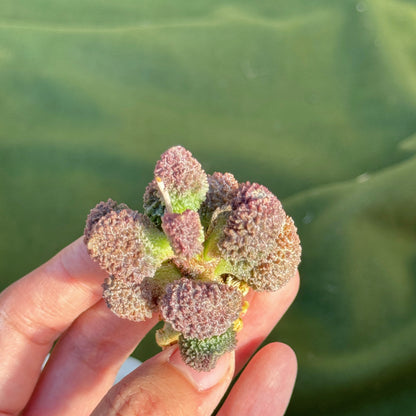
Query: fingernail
column 203, row 380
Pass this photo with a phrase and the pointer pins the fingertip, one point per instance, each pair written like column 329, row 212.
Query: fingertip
column 279, row 354
column 276, row 360
column 266, row 384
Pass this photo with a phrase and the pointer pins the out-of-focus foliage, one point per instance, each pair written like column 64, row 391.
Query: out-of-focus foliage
column 314, row 99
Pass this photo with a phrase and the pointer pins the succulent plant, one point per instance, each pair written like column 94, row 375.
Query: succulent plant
column 201, row 244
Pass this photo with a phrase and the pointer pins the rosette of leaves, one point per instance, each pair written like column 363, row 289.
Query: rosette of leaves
column 200, row 244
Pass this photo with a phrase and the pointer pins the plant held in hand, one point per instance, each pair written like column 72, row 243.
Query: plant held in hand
column 201, row 244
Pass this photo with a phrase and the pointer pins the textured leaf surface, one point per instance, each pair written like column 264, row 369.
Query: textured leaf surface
column 314, row 99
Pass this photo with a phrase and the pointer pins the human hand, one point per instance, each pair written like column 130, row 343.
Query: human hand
column 62, row 300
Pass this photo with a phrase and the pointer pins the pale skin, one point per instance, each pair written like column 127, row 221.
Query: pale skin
column 61, row 300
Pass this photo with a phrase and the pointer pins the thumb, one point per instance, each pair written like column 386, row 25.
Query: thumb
column 165, row 385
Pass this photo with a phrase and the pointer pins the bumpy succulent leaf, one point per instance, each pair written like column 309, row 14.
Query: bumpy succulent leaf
column 203, row 354
column 280, row 266
column 127, row 245
column 184, row 232
column 126, row 301
column 200, row 309
column 153, row 204
column 99, row 211
column 183, row 177
column 256, row 219
column 154, row 288
column 223, row 189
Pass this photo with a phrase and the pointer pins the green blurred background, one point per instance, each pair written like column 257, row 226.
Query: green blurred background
column 314, row 99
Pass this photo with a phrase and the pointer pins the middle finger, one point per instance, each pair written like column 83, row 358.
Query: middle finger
column 265, row 310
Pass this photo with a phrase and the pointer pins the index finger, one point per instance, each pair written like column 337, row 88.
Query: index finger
column 35, row 310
